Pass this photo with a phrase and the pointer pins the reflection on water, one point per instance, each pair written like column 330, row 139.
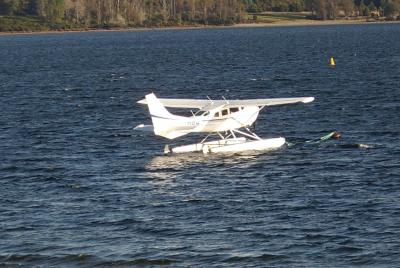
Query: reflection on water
column 172, row 166
column 175, row 161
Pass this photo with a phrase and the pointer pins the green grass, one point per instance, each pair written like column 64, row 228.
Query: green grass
column 271, row 17
column 14, row 23
column 32, row 24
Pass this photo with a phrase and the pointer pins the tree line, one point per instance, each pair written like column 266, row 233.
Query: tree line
column 110, row 13
column 328, row 9
column 120, row 13
column 324, row 9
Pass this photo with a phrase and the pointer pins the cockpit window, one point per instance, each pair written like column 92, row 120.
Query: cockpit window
column 206, row 113
column 234, row 109
column 224, row 112
column 216, row 114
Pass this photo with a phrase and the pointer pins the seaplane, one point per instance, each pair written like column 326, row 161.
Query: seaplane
column 229, row 120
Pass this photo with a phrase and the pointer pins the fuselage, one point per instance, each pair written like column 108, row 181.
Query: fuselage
column 216, row 120
column 227, row 119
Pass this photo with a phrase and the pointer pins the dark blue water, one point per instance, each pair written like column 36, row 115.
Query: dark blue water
column 80, row 188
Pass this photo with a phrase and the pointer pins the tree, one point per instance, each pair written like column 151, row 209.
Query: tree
column 55, row 10
column 364, row 11
column 347, row 6
column 391, row 8
column 371, row 6
column 377, row 3
column 320, row 9
column 8, row 7
column 296, row 6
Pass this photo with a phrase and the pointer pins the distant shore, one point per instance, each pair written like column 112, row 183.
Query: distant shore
column 312, row 23
column 185, row 27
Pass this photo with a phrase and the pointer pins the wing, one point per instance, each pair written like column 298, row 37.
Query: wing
column 182, row 103
column 270, row 102
column 210, row 104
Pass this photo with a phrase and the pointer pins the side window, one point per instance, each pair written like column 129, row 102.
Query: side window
column 234, row 109
column 216, row 114
column 225, row 112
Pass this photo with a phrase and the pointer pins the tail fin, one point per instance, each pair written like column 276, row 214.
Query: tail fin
column 156, row 107
column 163, row 121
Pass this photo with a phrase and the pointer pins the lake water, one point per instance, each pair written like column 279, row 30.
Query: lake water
column 80, row 188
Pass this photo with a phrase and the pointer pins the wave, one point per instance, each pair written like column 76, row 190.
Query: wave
column 263, row 257
column 348, row 249
column 78, row 259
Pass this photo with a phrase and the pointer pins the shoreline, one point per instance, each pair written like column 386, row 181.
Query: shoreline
column 300, row 23
column 312, row 23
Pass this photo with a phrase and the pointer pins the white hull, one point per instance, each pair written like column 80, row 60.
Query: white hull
column 198, row 147
column 257, row 145
column 230, row 145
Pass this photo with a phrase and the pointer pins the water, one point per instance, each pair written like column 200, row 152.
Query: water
column 80, row 188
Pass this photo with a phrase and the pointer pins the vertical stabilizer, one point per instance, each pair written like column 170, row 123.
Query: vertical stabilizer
column 156, row 108
column 165, row 124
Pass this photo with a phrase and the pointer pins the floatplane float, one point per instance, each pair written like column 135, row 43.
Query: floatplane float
column 229, row 119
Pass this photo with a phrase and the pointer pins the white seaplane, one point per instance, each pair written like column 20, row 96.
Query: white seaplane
column 229, row 119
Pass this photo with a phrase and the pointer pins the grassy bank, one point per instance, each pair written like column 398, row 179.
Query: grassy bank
column 278, row 17
column 33, row 24
column 29, row 24
column 301, row 18
column 22, row 24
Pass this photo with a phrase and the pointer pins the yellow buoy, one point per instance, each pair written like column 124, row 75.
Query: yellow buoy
column 332, row 62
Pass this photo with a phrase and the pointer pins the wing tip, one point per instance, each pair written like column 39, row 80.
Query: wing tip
column 308, row 100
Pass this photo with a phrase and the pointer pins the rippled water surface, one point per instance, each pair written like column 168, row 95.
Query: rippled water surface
column 80, row 188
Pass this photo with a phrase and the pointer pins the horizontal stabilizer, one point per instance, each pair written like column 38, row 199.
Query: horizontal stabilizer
column 146, row 128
